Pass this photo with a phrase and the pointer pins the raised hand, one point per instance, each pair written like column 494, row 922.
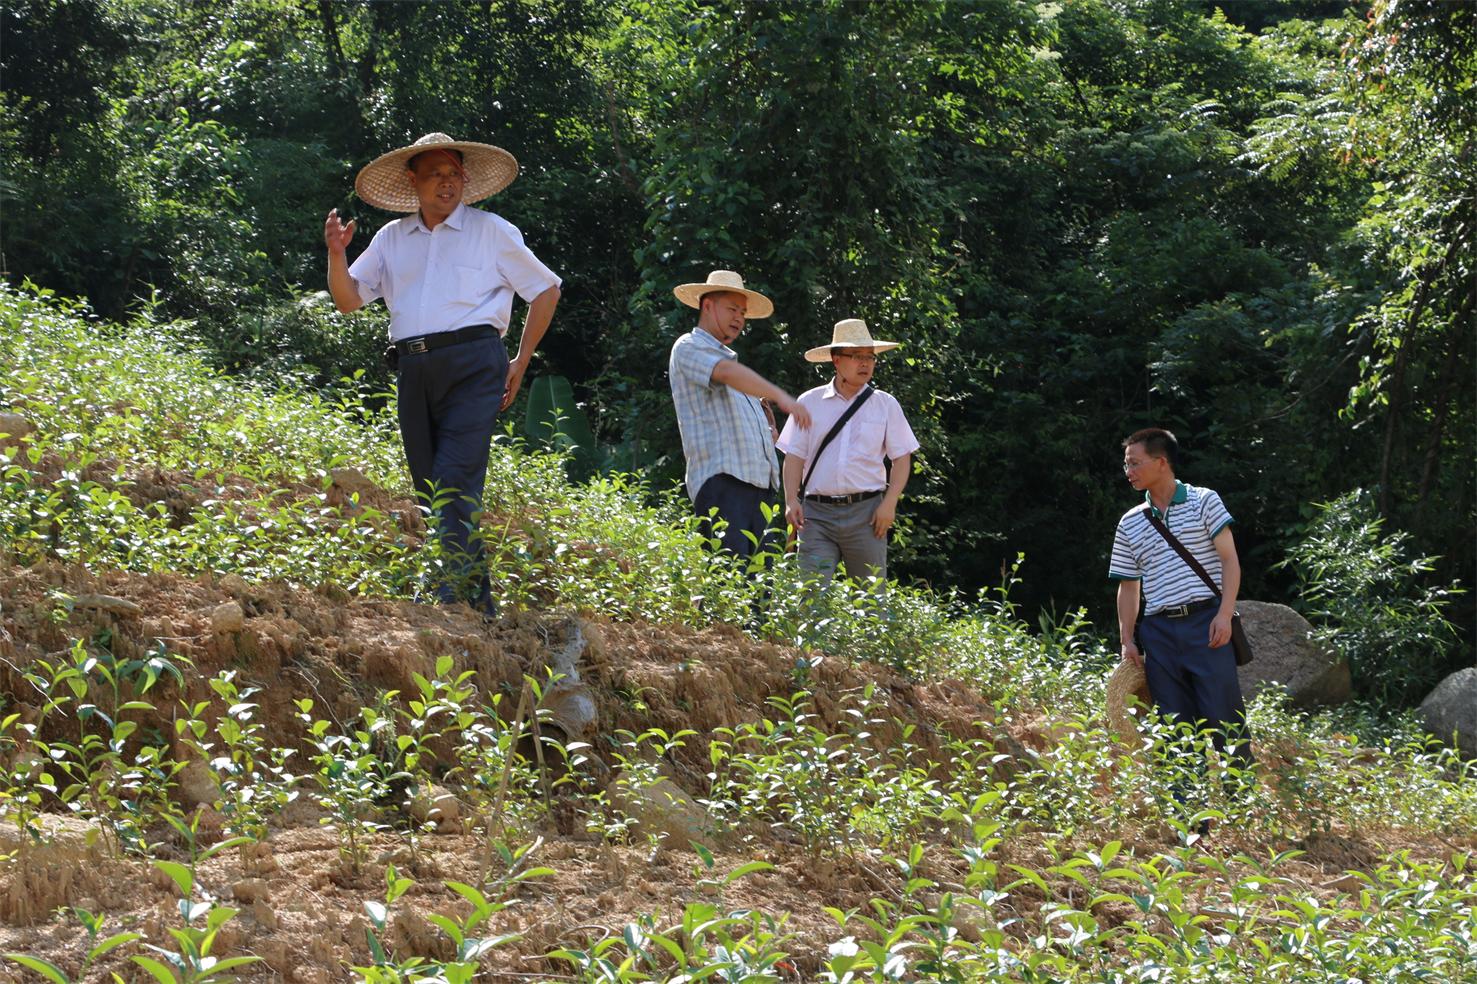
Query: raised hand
column 336, row 235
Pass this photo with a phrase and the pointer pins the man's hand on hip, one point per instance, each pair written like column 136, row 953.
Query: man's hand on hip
column 516, row 370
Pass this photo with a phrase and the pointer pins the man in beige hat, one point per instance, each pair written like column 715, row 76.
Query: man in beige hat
column 448, row 274
column 727, row 436
column 839, row 495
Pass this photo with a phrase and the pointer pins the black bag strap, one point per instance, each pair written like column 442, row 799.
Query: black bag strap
column 856, row 405
column 1180, row 549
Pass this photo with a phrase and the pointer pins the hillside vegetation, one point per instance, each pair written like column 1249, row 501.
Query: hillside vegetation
column 1249, row 222
column 233, row 744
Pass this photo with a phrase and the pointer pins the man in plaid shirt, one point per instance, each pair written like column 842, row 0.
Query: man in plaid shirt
column 727, row 434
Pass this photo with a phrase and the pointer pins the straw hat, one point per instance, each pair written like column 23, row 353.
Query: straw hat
column 382, row 183
column 1127, row 680
column 725, row 280
column 851, row 333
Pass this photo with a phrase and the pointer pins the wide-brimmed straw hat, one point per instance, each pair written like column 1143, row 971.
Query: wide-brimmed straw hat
column 725, row 280
column 851, row 333
column 488, row 171
column 1127, row 681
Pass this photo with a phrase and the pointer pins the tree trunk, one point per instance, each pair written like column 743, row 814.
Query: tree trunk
column 331, row 39
column 1460, row 324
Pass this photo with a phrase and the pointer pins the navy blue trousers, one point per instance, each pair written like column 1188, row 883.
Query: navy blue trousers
column 449, row 400
column 1191, row 681
column 741, row 506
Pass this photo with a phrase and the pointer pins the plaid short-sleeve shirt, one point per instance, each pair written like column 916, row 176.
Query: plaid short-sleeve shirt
column 1194, row 516
column 723, row 431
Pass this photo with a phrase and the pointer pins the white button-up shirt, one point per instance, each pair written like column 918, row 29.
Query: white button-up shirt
column 853, row 461
column 463, row 272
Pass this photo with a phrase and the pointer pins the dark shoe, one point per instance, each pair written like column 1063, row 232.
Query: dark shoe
column 488, row 609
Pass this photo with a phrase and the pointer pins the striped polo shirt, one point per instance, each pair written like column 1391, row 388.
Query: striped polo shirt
column 1194, row 516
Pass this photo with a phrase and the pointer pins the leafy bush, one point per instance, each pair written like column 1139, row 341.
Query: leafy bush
column 1373, row 603
column 989, row 867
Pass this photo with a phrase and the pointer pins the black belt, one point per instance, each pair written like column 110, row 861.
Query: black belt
column 844, row 500
column 441, row 339
column 1181, row 611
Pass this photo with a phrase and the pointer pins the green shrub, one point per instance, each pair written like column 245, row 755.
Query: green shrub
column 1372, row 603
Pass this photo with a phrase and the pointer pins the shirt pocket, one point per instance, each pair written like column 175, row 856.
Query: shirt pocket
column 473, row 284
column 869, row 438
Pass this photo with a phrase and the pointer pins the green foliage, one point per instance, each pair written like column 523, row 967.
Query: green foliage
column 553, row 420
column 251, row 778
column 1373, row 603
column 827, row 787
column 1080, row 217
column 92, row 925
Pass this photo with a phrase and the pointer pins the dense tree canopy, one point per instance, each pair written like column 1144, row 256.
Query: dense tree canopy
column 1254, row 226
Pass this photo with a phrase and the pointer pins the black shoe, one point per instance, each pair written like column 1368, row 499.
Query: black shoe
column 488, row 609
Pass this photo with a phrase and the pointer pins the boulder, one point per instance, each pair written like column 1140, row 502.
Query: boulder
column 195, row 783
column 1286, row 655
column 227, row 617
column 661, row 808
column 434, row 804
column 13, row 427
column 107, row 603
column 1450, row 711
column 352, row 481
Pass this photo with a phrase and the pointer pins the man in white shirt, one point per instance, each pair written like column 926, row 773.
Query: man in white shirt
column 849, row 499
column 448, row 274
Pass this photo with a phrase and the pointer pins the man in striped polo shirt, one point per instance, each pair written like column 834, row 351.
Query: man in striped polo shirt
column 1186, row 630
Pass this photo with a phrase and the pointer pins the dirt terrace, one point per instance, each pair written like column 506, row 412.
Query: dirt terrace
column 301, row 906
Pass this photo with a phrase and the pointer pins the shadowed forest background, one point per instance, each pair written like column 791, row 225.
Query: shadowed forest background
column 1253, row 225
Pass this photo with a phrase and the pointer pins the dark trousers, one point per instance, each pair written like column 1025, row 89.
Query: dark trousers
column 1191, row 681
column 449, row 399
column 741, row 506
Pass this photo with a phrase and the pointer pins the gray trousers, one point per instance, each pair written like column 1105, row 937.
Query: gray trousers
column 449, row 400
column 842, row 533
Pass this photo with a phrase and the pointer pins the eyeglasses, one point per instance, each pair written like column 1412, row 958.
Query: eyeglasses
column 860, row 357
column 1131, row 465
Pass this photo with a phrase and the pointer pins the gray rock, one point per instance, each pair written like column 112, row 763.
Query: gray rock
column 14, row 427
column 352, row 481
column 195, row 783
column 1450, row 711
column 107, row 603
column 434, row 804
column 249, row 890
column 227, row 617
column 663, row 809
column 1286, row 655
